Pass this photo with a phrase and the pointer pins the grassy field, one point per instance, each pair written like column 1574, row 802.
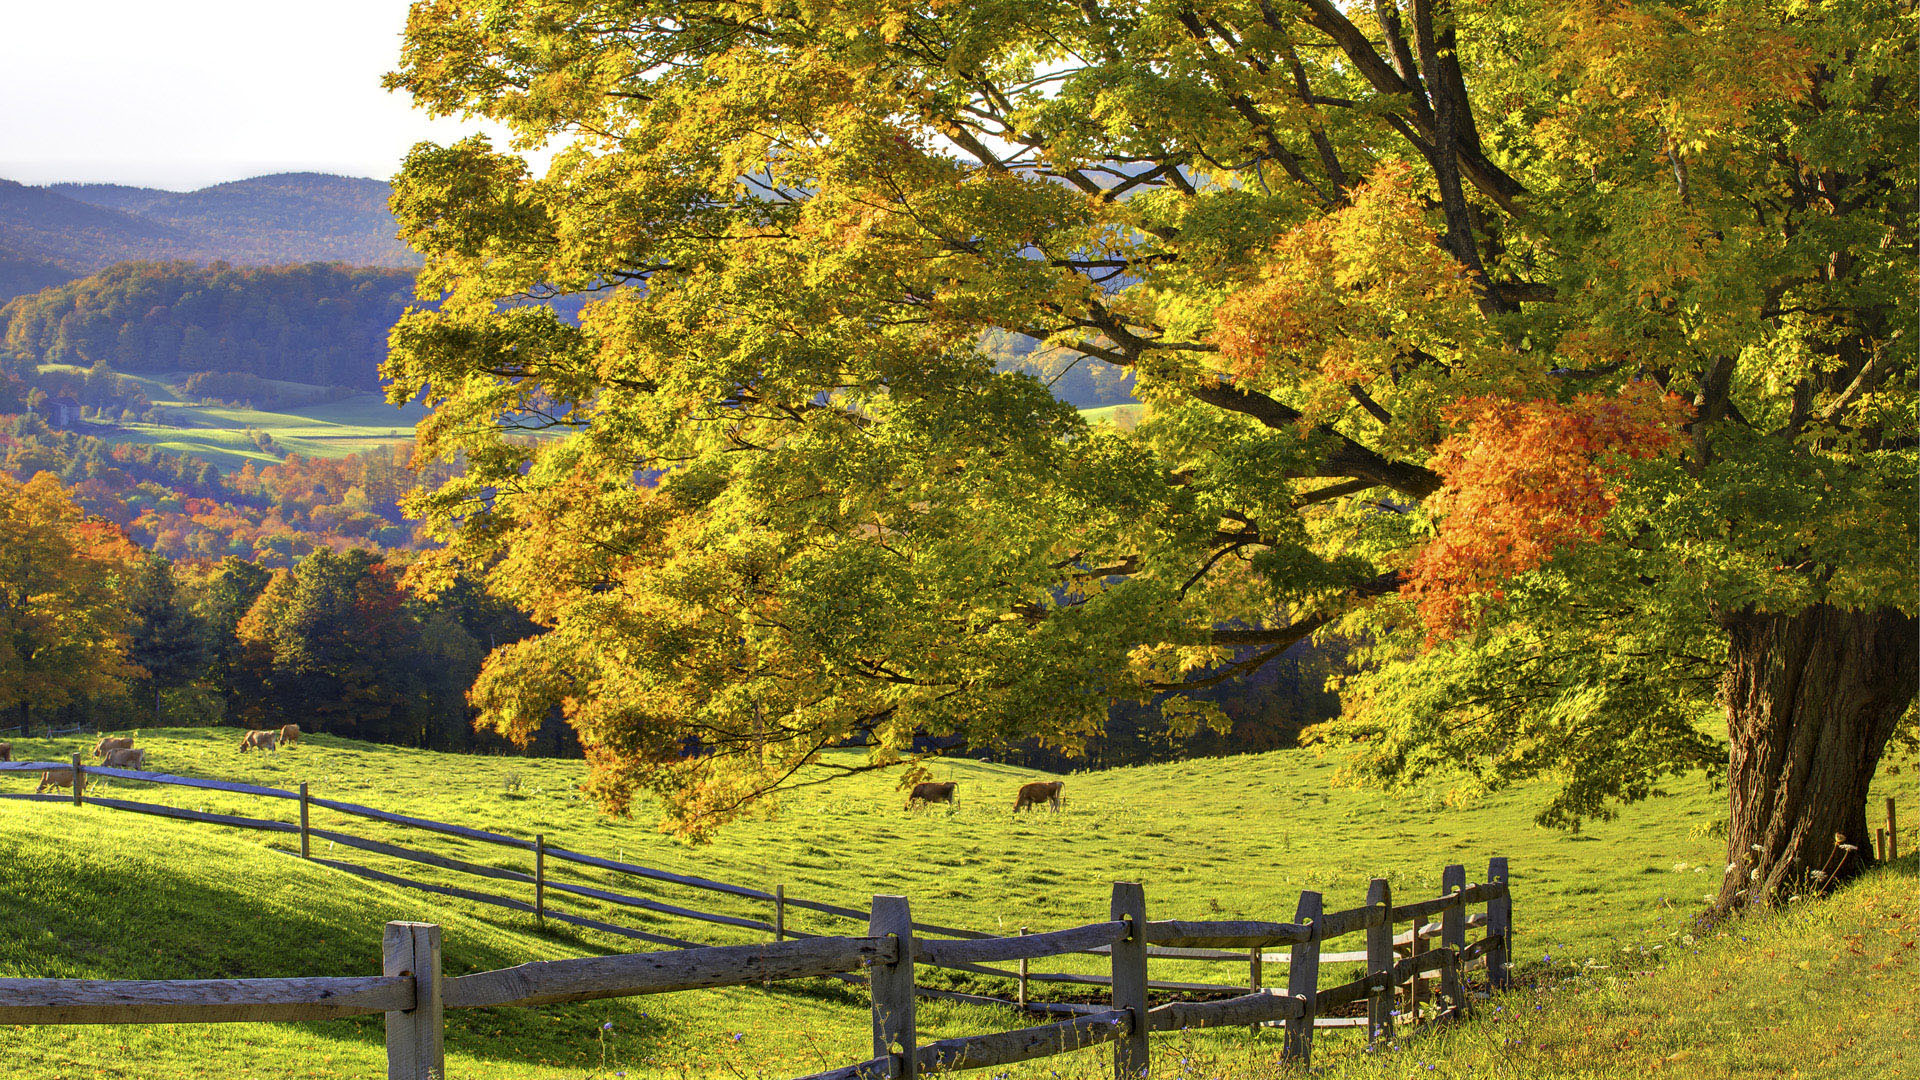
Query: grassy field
column 219, row 433
column 1124, row 416
column 1237, row 836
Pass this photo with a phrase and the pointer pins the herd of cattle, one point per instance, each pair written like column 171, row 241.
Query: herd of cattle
column 118, row 752
column 1040, row 791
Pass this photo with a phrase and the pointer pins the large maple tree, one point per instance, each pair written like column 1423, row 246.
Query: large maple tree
column 1563, row 345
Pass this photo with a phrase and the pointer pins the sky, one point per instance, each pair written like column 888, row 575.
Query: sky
column 179, row 94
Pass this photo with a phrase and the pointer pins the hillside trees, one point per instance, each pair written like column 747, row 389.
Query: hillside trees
column 1585, row 385
column 226, row 594
column 315, row 323
column 165, row 640
column 63, row 631
column 332, row 649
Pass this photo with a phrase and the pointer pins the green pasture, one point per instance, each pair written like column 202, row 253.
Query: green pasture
column 219, row 434
column 1215, row 838
column 1122, row 415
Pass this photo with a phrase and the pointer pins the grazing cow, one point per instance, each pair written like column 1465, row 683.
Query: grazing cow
column 133, row 758
column 112, row 742
column 6, row 751
column 260, row 740
column 931, row 793
column 1047, row 791
column 289, row 734
column 58, row 778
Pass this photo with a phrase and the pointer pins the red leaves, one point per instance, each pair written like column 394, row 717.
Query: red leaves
column 1525, row 480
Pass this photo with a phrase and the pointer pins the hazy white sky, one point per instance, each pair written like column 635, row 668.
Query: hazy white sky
column 184, row 93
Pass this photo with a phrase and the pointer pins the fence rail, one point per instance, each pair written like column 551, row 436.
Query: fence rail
column 413, row 994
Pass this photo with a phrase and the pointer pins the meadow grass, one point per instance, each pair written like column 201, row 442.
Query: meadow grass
column 1124, row 416
column 219, row 433
column 1214, row 838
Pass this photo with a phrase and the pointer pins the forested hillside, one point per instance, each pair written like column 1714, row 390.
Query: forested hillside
column 315, row 323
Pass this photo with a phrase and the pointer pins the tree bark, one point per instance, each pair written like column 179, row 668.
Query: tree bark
column 1811, row 700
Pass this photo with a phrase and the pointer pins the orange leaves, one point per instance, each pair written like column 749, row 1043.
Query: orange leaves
column 1524, row 480
column 1349, row 295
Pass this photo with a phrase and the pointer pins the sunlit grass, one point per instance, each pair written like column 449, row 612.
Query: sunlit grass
column 219, row 433
column 100, row 893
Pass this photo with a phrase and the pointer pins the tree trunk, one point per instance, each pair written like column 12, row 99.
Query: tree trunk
column 1811, row 701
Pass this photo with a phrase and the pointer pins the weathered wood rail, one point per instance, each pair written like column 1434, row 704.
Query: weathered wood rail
column 414, row 994
column 1400, row 962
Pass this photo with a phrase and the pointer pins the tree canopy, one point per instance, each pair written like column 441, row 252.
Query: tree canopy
column 1562, row 346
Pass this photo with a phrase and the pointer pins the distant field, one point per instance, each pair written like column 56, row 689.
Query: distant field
column 219, row 433
column 1214, row 838
column 1123, row 416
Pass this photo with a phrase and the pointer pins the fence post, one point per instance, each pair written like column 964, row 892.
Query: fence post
column 1499, row 929
column 1020, row 996
column 1453, row 934
column 1880, row 844
column 1893, row 832
column 1303, row 981
column 414, row 1036
column 79, row 779
column 892, row 987
column 304, row 852
column 779, row 913
column 1130, row 979
column 540, row 879
column 1255, row 959
column 1380, row 962
column 1416, row 944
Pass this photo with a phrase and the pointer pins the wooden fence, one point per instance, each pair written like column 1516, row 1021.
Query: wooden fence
column 1405, row 960
column 413, row 993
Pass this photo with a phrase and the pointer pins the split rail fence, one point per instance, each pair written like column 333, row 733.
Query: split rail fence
column 1396, row 964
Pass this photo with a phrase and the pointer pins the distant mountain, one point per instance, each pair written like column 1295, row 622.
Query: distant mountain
column 42, row 224
column 291, row 217
column 127, row 200
column 267, row 220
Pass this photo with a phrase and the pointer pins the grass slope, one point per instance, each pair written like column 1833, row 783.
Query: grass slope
column 1223, row 837
column 99, row 894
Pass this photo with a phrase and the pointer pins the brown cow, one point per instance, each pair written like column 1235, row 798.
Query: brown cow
column 263, row 740
column 6, row 751
column 925, row 794
column 58, row 778
column 1040, row 791
column 112, row 742
column 289, row 734
column 130, row 758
